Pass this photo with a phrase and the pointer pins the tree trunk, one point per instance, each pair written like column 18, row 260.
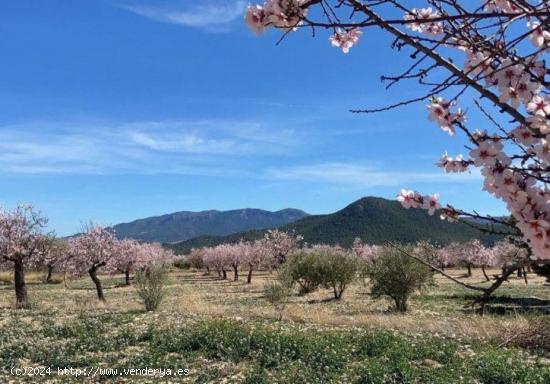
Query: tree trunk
column 485, row 273
column 21, row 299
column 49, row 276
column 235, row 273
column 127, row 276
column 207, row 270
column 401, row 305
column 97, row 282
column 338, row 291
column 224, row 274
column 520, row 272
column 469, row 270
column 281, row 309
column 484, row 299
column 249, row 277
column 65, row 284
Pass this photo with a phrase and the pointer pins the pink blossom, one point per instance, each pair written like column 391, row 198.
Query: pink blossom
column 407, row 199
column 255, row 18
column 539, row 106
column 345, row 40
column 441, row 114
column 458, row 164
column 431, row 203
column 540, row 36
column 423, row 26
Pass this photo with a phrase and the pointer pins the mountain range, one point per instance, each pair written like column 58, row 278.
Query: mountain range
column 181, row 226
column 375, row 220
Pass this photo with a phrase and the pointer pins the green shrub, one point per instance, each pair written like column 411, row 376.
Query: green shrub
column 182, row 263
column 276, row 293
column 150, row 285
column 542, row 270
column 336, row 270
column 329, row 267
column 301, row 268
column 397, row 276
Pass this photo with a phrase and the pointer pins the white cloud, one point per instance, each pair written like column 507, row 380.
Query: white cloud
column 189, row 147
column 361, row 176
column 187, row 142
column 211, row 137
column 207, row 14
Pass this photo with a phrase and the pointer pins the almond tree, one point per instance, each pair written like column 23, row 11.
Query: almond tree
column 54, row 256
column 259, row 254
column 126, row 257
column 485, row 259
column 366, row 252
column 92, row 250
column 445, row 258
column 233, row 254
column 22, row 242
column 196, row 259
column 427, row 251
column 215, row 259
column 506, row 253
column 150, row 254
column 470, row 253
column 130, row 255
column 242, row 253
column 281, row 243
column 489, row 55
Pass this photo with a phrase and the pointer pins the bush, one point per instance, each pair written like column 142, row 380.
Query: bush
column 195, row 259
column 150, row 285
column 336, row 270
column 542, row 270
column 397, row 276
column 331, row 268
column 301, row 268
column 534, row 335
column 276, row 294
column 182, row 263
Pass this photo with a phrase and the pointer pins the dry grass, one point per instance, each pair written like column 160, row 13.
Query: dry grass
column 439, row 310
column 531, row 333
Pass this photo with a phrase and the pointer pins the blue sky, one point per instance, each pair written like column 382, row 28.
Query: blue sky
column 116, row 110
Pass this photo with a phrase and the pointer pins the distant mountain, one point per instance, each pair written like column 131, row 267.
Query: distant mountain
column 374, row 220
column 181, row 226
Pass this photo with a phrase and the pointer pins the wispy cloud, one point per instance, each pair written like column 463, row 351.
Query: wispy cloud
column 212, row 137
column 186, row 142
column 190, row 147
column 361, row 176
column 207, row 14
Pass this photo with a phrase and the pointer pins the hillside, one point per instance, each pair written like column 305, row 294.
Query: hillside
column 374, row 220
column 181, row 226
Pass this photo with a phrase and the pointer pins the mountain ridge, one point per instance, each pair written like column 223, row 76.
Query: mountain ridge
column 184, row 225
column 373, row 219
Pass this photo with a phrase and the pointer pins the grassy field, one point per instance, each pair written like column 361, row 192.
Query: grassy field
column 224, row 331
